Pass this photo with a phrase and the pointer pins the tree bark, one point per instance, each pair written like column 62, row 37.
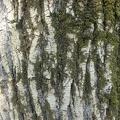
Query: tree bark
column 59, row 59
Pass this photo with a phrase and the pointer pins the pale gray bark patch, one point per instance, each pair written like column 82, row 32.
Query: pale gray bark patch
column 4, row 81
column 1, row 118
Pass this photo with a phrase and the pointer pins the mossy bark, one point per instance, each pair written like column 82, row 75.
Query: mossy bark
column 59, row 59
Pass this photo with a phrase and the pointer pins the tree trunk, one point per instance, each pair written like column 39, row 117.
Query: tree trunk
column 59, row 60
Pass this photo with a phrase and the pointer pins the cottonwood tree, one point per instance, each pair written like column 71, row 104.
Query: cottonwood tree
column 59, row 59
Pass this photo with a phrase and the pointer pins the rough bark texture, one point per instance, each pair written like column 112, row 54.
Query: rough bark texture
column 59, row 59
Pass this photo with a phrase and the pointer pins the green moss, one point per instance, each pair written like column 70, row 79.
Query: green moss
column 87, row 89
column 112, row 110
column 47, row 112
column 73, row 92
column 117, row 7
column 19, row 25
column 115, row 93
